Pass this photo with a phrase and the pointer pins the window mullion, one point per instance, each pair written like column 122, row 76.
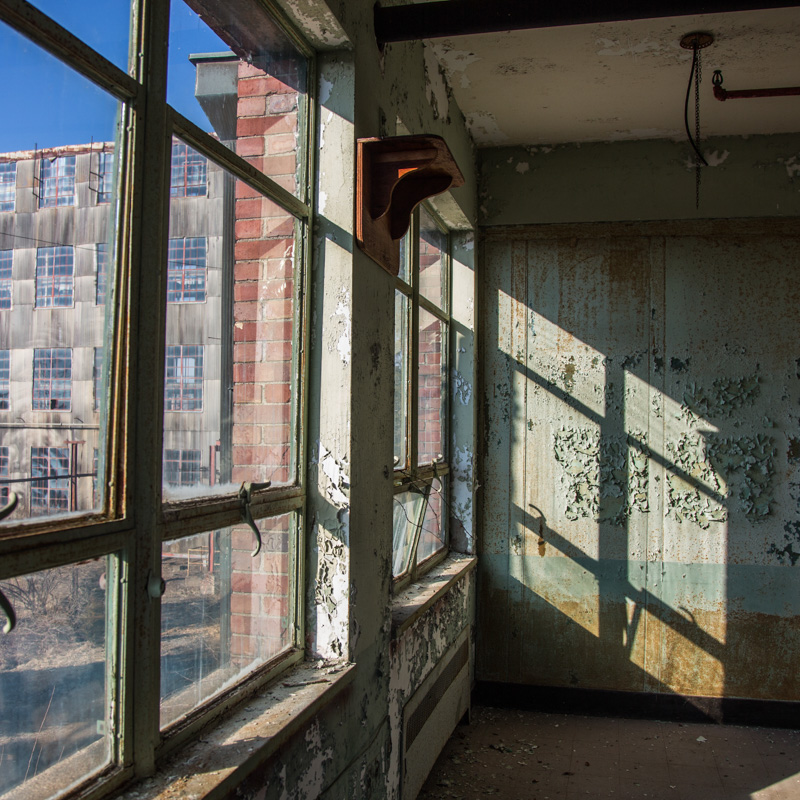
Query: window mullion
column 139, row 661
column 413, row 384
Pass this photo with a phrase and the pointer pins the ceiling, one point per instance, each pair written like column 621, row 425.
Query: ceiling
column 619, row 81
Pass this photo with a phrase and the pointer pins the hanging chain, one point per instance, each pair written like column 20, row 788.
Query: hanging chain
column 697, row 167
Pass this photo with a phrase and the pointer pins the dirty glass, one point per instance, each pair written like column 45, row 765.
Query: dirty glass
column 55, row 321
column 432, row 388
column 229, row 394
column 432, row 537
column 225, row 612
column 401, row 377
column 432, row 260
column 102, row 24
column 55, row 725
column 408, row 507
column 234, row 73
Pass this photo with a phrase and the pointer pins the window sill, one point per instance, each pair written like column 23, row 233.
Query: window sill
column 220, row 758
column 411, row 603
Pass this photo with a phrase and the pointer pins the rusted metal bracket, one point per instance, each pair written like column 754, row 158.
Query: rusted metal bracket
column 245, row 496
column 740, row 94
column 5, row 603
column 393, row 176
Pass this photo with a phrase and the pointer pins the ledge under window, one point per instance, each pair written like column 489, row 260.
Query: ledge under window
column 224, row 755
column 414, row 600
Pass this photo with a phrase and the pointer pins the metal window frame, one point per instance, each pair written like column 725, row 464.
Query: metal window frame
column 133, row 451
column 412, row 473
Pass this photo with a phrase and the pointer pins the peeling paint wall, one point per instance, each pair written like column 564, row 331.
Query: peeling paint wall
column 641, row 524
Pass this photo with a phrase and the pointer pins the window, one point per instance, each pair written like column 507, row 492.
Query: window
column 54, row 277
column 8, row 184
column 105, row 176
column 188, row 175
column 184, row 384
column 51, row 492
column 57, row 182
column 216, row 282
column 182, row 467
column 4, row 488
column 52, row 379
column 187, row 270
column 5, row 376
column 101, row 268
column 422, row 329
column 6, row 260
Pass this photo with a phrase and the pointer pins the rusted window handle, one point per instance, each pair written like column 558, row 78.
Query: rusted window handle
column 245, row 496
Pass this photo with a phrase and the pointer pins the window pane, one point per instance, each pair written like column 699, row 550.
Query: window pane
column 102, row 24
column 57, row 258
column 432, row 260
column 408, row 507
column 401, row 345
column 432, row 537
column 8, row 185
column 231, row 348
column 55, row 722
column 244, row 83
column 432, row 390
column 224, row 612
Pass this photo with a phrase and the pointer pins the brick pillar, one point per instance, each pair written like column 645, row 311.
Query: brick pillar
column 262, row 360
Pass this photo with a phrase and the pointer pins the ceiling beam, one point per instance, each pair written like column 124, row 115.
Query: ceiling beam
column 463, row 17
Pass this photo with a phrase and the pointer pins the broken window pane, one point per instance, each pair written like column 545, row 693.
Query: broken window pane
column 55, row 718
column 408, row 508
column 225, row 612
column 432, row 537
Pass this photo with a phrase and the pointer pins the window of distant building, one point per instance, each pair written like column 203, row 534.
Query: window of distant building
column 5, row 380
column 3, row 474
column 52, row 379
column 182, row 467
column 51, row 466
column 8, row 184
column 188, row 174
column 6, row 261
column 105, row 177
column 186, row 278
column 184, row 380
column 57, row 182
column 55, row 277
column 101, row 267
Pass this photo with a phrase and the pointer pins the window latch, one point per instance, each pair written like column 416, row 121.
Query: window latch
column 5, row 603
column 245, row 496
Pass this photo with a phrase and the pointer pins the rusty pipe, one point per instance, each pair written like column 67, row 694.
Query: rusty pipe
column 723, row 94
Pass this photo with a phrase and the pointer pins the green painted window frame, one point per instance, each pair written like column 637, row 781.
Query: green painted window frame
column 133, row 522
column 412, row 476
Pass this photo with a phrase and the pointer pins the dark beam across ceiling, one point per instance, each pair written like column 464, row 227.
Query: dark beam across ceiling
column 463, row 17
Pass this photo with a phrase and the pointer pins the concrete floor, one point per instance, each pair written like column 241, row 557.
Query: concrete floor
column 528, row 755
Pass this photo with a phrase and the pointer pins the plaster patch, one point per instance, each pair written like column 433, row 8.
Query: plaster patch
column 342, row 310
column 604, row 477
column 483, row 128
column 335, row 471
column 454, row 62
column 325, row 90
column 522, row 167
column 792, row 166
column 715, row 158
column 462, row 388
column 436, row 85
column 614, row 47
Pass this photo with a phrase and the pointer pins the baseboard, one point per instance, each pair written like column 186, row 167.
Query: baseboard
column 639, row 705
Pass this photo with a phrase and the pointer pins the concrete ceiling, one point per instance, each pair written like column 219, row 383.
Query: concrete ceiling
column 623, row 80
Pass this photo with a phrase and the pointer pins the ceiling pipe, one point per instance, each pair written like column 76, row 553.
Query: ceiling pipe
column 464, row 17
column 739, row 94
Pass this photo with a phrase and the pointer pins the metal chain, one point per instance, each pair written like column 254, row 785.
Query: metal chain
column 697, row 167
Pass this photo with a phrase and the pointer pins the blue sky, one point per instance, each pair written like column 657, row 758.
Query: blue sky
column 47, row 104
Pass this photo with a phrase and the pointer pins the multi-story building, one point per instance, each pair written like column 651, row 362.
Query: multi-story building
column 55, row 231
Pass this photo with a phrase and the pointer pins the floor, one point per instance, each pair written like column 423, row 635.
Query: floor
column 528, row 755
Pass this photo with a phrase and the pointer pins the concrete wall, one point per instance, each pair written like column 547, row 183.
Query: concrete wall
column 640, row 506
